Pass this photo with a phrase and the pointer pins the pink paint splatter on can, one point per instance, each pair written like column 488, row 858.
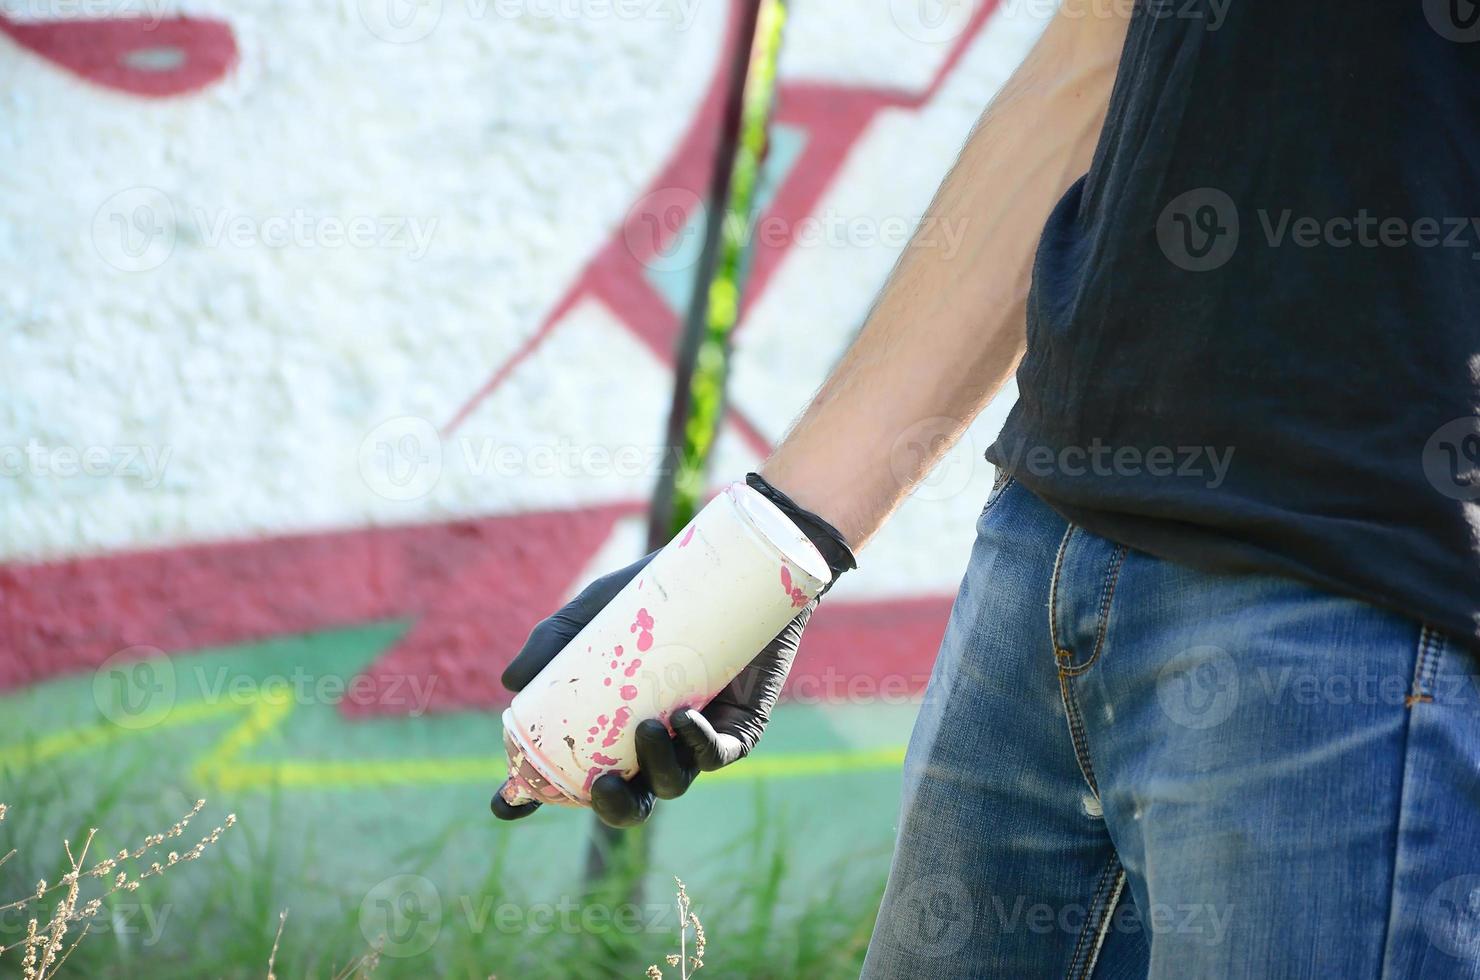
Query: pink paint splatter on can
column 613, row 733
column 643, row 622
column 798, row 597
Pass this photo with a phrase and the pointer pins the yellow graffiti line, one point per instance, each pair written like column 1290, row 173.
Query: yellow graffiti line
column 84, row 738
column 222, row 765
column 345, row 774
column 354, row 773
column 265, row 712
column 798, row 764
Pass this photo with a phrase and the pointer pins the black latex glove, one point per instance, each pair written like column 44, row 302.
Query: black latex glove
column 726, row 730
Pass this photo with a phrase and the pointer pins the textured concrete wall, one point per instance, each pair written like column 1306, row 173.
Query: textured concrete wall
column 335, row 313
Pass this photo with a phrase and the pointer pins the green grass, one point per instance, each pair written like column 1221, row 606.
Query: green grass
column 481, row 902
column 786, row 871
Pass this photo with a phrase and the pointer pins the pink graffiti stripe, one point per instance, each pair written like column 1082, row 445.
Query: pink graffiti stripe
column 138, row 55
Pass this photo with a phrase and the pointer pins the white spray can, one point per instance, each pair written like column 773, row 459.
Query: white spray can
column 672, row 638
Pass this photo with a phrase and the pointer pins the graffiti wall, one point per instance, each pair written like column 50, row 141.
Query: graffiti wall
column 338, row 343
column 343, row 317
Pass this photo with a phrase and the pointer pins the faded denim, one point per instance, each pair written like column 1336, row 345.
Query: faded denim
column 1124, row 767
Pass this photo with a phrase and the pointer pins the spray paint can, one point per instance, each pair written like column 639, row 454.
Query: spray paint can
column 680, row 631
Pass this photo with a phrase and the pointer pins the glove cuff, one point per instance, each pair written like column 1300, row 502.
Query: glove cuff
column 827, row 539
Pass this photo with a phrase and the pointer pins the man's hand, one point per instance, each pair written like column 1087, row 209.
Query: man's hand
column 723, row 732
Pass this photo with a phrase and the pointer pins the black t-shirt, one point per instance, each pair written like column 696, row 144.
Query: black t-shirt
column 1254, row 327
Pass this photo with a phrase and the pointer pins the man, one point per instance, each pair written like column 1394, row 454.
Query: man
column 1203, row 705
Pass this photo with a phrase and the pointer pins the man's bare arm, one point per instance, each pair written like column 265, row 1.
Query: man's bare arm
column 948, row 329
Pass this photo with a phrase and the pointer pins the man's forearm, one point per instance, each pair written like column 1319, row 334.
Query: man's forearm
column 948, row 329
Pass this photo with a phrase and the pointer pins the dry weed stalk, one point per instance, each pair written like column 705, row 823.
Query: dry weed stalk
column 687, row 964
column 272, row 957
column 10, row 853
column 358, row 968
column 365, row 965
column 43, row 943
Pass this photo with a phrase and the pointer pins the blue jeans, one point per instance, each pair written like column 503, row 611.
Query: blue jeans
column 1127, row 768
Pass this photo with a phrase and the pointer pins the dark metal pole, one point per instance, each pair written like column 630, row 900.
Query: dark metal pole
column 625, row 850
column 660, row 515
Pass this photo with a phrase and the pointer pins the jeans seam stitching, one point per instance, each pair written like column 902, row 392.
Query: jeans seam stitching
column 993, row 498
column 995, row 494
column 1436, row 656
column 1077, row 733
column 1110, row 871
column 1053, row 592
column 1425, row 640
column 1094, row 901
column 1104, row 928
column 1066, row 694
column 1107, row 595
column 1426, row 668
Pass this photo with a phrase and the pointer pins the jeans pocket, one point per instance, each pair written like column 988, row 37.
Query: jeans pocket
column 1000, row 482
